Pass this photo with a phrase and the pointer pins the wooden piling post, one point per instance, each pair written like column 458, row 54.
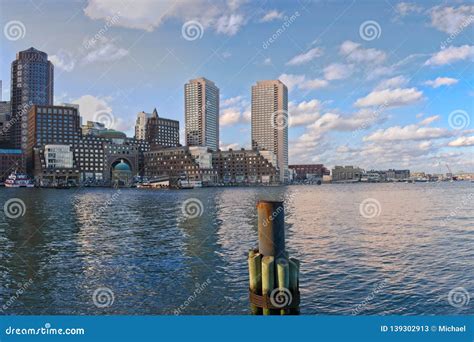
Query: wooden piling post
column 255, row 277
column 271, row 228
column 294, row 279
column 268, row 278
column 283, row 281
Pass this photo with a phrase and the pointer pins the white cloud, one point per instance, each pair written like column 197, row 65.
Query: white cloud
column 390, row 97
column 271, row 15
column 300, row 82
column 104, row 50
column 337, row 71
column 98, row 109
column 226, row 147
column 354, row 52
column 229, row 116
column 451, row 19
column 222, row 16
column 306, row 57
column 451, row 54
column 405, row 8
column 303, row 113
column 410, row 132
column 462, row 141
column 429, row 120
column 441, row 81
column 63, row 60
column 394, row 82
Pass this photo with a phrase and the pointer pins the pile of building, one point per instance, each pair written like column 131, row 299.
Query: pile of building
column 51, row 144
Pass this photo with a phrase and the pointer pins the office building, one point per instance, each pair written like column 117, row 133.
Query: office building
column 201, row 113
column 161, row 132
column 32, row 83
column 269, row 118
column 244, row 167
column 11, row 160
column 309, row 172
column 347, row 174
column 5, row 125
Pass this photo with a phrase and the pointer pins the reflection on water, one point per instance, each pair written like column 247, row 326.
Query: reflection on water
column 138, row 243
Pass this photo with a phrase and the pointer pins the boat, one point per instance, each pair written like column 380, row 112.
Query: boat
column 18, row 180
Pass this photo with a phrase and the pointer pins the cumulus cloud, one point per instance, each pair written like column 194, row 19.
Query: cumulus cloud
column 429, row 120
column 405, row 8
column 63, row 60
column 104, row 50
column 452, row 19
column 222, row 16
column 304, row 113
column 390, row 97
column 394, row 82
column 306, row 57
column 271, row 15
column 93, row 108
column 410, row 132
column 452, row 54
column 462, row 141
column 354, row 52
column 441, row 81
column 234, row 111
column 301, row 82
column 337, row 71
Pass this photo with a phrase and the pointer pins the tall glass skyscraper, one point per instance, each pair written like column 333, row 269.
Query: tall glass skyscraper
column 270, row 121
column 32, row 77
column 201, row 113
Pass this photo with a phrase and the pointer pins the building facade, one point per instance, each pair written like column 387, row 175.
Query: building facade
column 32, row 83
column 5, row 115
column 244, row 167
column 161, row 132
column 347, row 174
column 303, row 172
column 201, row 113
column 11, row 160
column 270, row 122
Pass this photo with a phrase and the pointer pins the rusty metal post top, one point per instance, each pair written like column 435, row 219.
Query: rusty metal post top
column 264, row 202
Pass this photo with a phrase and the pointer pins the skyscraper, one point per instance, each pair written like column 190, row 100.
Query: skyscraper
column 201, row 113
column 270, row 121
column 32, row 77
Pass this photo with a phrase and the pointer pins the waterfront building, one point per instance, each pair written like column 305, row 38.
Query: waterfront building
column 161, row 132
column 309, row 172
column 201, row 113
column 11, row 160
column 122, row 174
column 32, row 83
column 346, row 174
column 5, row 115
column 180, row 163
column 48, row 124
column 242, row 167
column 58, row 156
column 93, row 128
column 140, row 125
column 54, row 165
column 396, row 175
column 269, row 122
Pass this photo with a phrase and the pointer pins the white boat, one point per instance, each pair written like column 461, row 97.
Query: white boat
column 18, row 180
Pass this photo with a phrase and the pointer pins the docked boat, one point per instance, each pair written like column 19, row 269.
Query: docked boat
column 18, row 180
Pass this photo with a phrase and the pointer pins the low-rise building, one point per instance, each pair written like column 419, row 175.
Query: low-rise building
column 346, row 174
column 242, row 167
column 11, row 160
column 309, row 172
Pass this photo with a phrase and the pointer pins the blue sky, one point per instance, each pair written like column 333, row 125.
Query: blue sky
column 377, row 84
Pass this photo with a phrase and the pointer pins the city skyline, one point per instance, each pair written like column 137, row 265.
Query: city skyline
column 398, row 115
